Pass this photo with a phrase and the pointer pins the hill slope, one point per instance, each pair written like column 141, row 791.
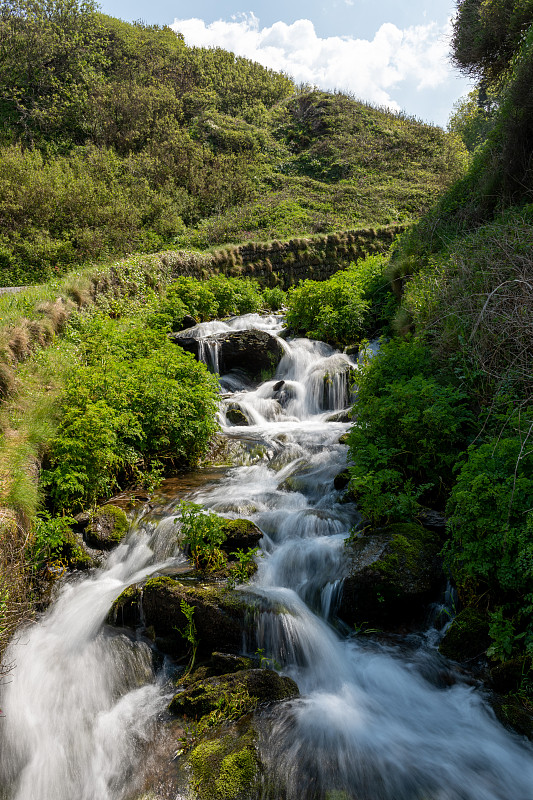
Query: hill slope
column 118, row 138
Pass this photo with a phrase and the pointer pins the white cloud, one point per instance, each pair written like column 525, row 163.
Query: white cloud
column 372, row 70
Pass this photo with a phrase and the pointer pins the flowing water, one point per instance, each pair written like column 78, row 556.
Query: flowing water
column 374, row 721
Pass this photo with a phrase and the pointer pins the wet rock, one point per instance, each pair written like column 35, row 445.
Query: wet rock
column 467, row 637
column 108, row 526
column 226, row 767
column 125, row 611
column 241, row 534
column 186, row 323
column 513, row 715
column 432, row 520
column 254, row 687
column 507, row 676
column 187, row 342
column 82, row 520
column 219, row 615
column 340, row 416
column 345, row 438
column 236, row 415
column 256, row 353
column 394, row 573
column 341, row 480
column 283, row 393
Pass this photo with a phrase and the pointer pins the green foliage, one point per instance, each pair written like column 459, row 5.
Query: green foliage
column 137, row 402
column 491, row 527
column 341, row 309
column 490, row 517
column 54, row 546
column 486, row 35
column 245, row 567
column 407, row 435
column 235, row 295
column 189, row 632
column 274, row 298
column 474, row 116
column 203, row 533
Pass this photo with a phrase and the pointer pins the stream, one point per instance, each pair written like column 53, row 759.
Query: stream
column 376, row 720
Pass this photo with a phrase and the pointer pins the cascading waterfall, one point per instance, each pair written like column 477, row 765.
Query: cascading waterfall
column 374, row 722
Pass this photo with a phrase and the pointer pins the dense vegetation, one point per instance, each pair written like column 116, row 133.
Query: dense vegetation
column 224, row 151
column 118, row 138
column 445, row 415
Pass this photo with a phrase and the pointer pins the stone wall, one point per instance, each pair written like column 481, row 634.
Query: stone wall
column 285, row 263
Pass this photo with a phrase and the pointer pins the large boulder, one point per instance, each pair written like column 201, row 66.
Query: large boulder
column 257, row 353
column 241, row 534
column 219, row 614
column 394, row 573
column 467, row 638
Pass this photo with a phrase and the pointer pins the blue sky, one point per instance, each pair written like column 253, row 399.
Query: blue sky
column 389, row 53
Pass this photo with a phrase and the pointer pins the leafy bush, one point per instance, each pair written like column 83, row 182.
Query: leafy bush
column 235, row 295
column 54, row 546
column 274, row 298
column 137, row 403
column 408, row 434
column 491, row 548
column 203, row 533
column 340, row 309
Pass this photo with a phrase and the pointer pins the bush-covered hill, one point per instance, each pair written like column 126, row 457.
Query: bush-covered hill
column 116, row 138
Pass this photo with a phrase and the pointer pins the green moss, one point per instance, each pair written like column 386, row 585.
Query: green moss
column 467, row 637
column 120, row 521
column 225, row 768
column 237, row 772
column 404, row 551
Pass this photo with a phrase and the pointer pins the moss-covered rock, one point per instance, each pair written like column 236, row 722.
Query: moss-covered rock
column 394, row 573
column 507, row 676
column 341, row 480
column 108, row 526
column 219, row 615
column 125, row 611
column 236, row 415
column 513, row 715
column 241, row 534
column 467, row 637
column 250, row 688
column 225, row 768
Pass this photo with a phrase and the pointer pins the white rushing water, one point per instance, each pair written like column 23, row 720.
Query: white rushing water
column 374, row 722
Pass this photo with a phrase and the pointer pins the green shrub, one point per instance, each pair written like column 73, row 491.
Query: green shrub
column 491, row 547
column 274, row 298
column 203, row 533
column 235, row 295
column 340, row 309
column 408, row 433
column 137, row 404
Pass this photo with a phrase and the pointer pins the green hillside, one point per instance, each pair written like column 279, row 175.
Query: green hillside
column 118, row 138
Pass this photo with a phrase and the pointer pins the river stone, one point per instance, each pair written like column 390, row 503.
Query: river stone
column 241, row 534
column 262, row 686
column 226, row 766
column 108, row 526
column 219, row 615
column 467, row 637
column 257, row 353
column 394, row 573
column 236, row 415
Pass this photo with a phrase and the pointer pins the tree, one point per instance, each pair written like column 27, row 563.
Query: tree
column 50, row 55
